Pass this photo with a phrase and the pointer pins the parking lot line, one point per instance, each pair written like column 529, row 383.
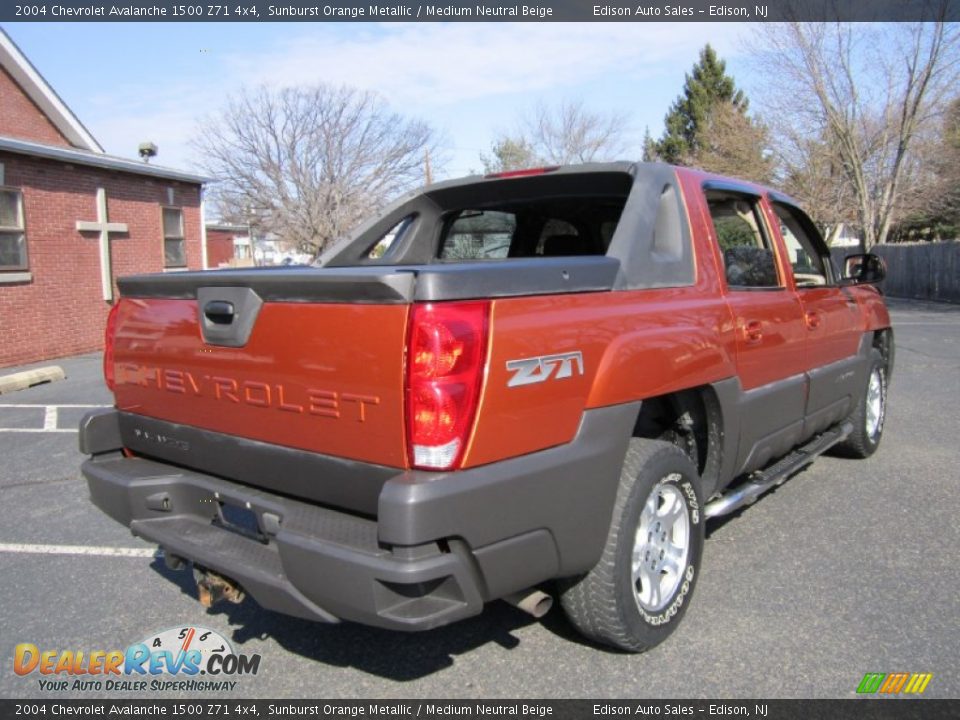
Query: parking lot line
column 50, row 416
column 56, row 405
column 27, row 548
column 39, row 430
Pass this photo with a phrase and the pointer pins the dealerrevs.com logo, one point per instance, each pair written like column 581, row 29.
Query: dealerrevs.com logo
column 191, row 659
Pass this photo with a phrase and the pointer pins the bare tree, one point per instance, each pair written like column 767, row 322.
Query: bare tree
column 509, row 153
column 309, row 163
column 862, row 93
column 728, row 142
column 568, row 133
column 811, row 172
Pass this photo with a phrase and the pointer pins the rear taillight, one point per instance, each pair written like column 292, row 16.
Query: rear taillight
column 108, row 338
column 446, row 353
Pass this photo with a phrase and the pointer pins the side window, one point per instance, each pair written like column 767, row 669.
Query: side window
column 13, row 244
column 174, row 247
column 809, row 268
column 390, row 239
column 479, row 235
column 747, row 254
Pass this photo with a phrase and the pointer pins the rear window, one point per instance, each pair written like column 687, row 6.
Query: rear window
column 538, row 228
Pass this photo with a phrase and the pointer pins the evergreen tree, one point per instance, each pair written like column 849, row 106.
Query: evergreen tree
column 649, row 147
column 706, row 86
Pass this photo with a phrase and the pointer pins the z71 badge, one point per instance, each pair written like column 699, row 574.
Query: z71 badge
column 540, row 369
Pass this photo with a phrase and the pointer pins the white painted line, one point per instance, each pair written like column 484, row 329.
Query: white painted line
column 29, row 549
column 50, row 415
column 56, row 405
column 40, row 430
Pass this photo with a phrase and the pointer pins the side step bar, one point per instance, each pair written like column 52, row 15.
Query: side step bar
column 776, row 474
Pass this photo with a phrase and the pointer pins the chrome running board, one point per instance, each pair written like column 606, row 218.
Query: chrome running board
column 747, row 493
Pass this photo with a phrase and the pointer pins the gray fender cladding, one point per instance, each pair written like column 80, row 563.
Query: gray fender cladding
column 567, row 490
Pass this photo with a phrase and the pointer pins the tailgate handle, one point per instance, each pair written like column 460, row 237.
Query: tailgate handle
column 220, row 312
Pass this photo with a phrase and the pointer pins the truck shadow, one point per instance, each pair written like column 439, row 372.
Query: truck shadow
column 393, row 655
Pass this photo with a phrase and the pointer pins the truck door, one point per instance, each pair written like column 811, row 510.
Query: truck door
column 769, row 328
column 831, row 318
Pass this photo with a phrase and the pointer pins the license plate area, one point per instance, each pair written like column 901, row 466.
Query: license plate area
column 240, row 520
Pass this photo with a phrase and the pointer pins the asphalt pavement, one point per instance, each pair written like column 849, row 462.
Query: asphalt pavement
column 848, row 568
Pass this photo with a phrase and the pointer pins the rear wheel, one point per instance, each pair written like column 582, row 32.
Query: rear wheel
column 636, row 594
column 869, row 415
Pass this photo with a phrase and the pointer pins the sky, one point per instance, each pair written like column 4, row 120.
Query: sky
column 129, row 83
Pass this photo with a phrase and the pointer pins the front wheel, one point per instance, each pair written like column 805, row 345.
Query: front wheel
column 868, row 416
column 639, row 590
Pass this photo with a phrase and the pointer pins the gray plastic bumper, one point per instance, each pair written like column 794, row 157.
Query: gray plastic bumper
column 442, row 544
column 315, row 563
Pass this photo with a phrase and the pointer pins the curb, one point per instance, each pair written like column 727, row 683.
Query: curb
column 28, row 378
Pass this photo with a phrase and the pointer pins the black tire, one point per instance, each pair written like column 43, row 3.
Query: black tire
column 604, row 604
column 867, row 426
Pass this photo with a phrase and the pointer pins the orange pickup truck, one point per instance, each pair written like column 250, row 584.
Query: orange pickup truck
column 534, row 384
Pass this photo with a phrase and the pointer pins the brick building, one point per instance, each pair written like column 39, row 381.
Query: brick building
column 73, row 219
column 228, row 245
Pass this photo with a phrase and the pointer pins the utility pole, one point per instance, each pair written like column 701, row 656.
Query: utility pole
column 428, row 174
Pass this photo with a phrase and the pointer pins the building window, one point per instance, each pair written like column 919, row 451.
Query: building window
column 174, row 246
column 13, row 242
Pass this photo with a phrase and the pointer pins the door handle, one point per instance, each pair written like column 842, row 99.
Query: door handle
column 753, row 331
column 813, row 319
column 219, row 312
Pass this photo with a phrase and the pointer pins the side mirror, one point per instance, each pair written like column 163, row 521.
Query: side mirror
column 864, row 269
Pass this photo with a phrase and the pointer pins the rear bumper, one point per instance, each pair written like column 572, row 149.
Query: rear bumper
column 442, row 543
column 317, row 563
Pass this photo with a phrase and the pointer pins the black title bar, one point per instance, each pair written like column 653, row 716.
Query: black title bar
column 893, row 708
column 464, row 11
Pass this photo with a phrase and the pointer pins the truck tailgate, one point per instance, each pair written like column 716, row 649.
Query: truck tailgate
column 325, row 377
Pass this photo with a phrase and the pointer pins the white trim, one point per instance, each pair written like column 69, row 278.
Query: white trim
column 104, row 227
column 8, row 278
column 203, row 230
column 44, row 96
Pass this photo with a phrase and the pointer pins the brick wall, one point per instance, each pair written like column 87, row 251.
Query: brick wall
column 21, row 118
column 61, row 310
column 219, row 247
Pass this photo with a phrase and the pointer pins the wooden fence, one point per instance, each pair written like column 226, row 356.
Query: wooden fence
column 925, row 271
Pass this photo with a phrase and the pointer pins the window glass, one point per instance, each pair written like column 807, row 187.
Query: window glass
column 607, row 228
column 744, row 246
column 548, row 227
column 808, row 266
column 479, row 235
column 172, row 222
column 556, row 236
column 174, row 247
column 9, row 209
column 13, row 244
column 390, row 238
